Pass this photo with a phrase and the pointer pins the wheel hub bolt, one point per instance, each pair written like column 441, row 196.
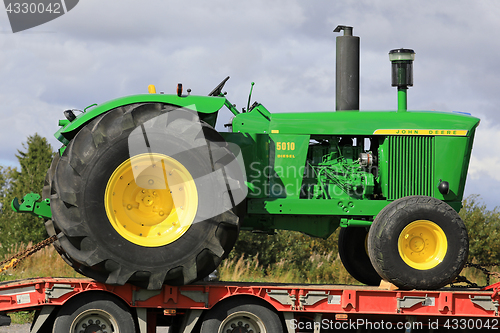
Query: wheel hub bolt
column 148, row 201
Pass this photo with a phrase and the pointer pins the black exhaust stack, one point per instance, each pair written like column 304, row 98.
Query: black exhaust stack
column 347, row 71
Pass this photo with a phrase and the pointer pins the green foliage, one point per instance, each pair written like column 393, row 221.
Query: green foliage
column 286, row 251
column 5, row 180
column 34, row 160
column 22, row 317
column 483, row 228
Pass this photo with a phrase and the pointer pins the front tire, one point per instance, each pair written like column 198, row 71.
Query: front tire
column 147, row 194
column 418, row 242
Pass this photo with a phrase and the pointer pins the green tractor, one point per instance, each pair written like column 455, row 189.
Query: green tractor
column 145, row 190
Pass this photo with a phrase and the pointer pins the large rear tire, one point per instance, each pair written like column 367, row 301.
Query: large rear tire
column 147, row 194
column 49, row 225
column 418, row 242
column 353, row 252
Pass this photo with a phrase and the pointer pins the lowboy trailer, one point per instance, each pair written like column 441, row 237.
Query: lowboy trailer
column 85, row 305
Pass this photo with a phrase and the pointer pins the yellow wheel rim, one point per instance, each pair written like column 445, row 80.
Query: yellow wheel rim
column 422, row 244
column 151, row 200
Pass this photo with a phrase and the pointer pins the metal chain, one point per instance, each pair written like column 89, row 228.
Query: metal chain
column 482, row 268
column 20, row 256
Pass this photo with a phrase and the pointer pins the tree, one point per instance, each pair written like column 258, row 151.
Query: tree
column 483, row 228
column 292, row 248
column 34, row 160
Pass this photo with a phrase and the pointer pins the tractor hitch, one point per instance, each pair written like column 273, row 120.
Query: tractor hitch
column 30, row 204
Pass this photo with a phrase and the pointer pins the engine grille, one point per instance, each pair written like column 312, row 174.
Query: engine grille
column 410, row 166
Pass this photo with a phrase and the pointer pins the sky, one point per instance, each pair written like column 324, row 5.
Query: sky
column 105, row 49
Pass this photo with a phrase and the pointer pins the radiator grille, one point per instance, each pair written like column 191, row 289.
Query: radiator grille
column 411, row 166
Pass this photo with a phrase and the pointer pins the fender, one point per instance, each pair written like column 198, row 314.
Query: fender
column 206, row 106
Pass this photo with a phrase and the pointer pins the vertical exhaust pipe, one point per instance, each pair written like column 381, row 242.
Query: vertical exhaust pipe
column 347, row 70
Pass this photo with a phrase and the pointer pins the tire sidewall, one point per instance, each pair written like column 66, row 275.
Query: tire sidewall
column 104, row 164
column 268, row 316
column 352, row 252
column 388, row 226
column 73, row 308
column 82, row 174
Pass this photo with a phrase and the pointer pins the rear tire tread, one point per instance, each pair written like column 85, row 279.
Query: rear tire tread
column 76, row 242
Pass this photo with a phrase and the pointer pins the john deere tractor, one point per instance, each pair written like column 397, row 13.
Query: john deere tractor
column 145, row 190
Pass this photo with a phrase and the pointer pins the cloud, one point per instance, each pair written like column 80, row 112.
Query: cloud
column 485, row 157
column 107, row 49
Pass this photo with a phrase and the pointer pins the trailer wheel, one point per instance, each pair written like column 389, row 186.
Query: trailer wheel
column 147, row 194
column 87, row 314
column 242, row 315
column 418, row 242
column 353, row 251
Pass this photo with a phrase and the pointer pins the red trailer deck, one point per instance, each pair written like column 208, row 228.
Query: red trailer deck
column 63, row 304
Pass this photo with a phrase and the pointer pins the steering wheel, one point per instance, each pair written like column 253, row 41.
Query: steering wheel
column 218, row 90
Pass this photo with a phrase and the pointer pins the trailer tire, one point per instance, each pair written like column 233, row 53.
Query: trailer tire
column 143, row 235
column 89, row 313
column 353, row 252
column 238, row 312
column 418, row 242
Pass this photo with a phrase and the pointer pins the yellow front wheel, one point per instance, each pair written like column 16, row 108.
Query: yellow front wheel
column 422, row 244
column 151, row 200
column 418, row 242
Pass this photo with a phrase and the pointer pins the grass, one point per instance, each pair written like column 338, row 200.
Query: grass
column 318, row 269
column 324, row 268
column 45, row 262
column 22, row 317
column 321, row 269
column 480, row 278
